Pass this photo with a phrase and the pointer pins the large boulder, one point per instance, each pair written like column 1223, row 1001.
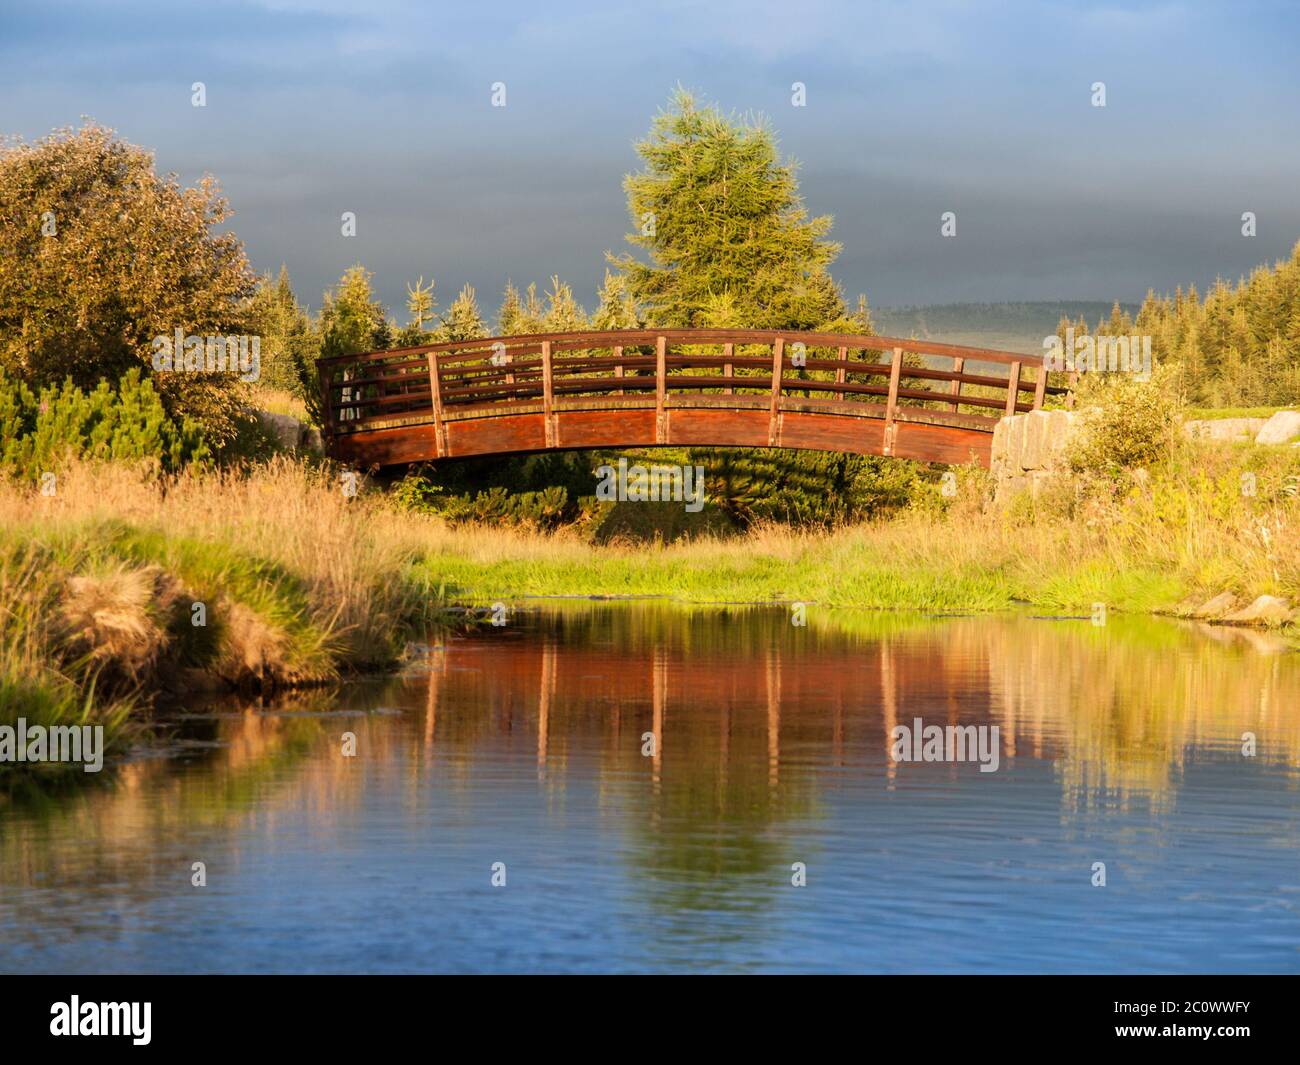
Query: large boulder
column 1282, row 428
column 1031, row 450
column 289, row 432
column 1222, row 604
column 1231, row 430
column 1264, row 611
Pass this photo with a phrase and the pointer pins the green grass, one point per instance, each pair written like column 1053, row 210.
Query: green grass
column 862, row 568
column 1217, row 413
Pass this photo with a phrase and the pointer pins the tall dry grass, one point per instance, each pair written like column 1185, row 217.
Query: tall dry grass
column 292, row 579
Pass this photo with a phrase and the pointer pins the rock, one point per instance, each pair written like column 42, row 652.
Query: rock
column 1264, row 611
column 1030, row 451
column 281, row 426
column 289, row 432
column 1226, row 429
column 1282, row 428
column 1219, row 606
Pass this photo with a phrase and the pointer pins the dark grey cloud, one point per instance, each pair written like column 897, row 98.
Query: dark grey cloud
column 317, row 107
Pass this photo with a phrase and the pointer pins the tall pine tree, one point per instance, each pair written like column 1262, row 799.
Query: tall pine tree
column 720, row 216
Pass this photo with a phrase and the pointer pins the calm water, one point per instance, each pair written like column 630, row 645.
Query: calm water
column 524, row 746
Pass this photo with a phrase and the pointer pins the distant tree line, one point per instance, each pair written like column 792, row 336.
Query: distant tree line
column 1238, row 346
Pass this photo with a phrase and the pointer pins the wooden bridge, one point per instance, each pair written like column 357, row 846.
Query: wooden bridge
column 869, row 395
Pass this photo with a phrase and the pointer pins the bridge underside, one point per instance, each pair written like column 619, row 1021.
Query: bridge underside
column 914, row 432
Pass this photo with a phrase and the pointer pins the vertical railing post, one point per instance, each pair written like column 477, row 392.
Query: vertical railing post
column 1040, row 386
column 774, row 416
column 891, row 404
column 728, row 351
column 548, row 395
column 661, row 389
column 618, row 366
column 1013, row 389
column 958, row 365
column 435, row 397
column 842, row 370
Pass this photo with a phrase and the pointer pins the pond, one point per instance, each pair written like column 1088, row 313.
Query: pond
column 651, row 787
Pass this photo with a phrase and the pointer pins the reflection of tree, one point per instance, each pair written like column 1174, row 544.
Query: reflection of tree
column 755, row 720
column 704, row 832
column 1124, row 704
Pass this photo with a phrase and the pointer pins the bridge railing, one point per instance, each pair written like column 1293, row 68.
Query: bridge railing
column 871, row 376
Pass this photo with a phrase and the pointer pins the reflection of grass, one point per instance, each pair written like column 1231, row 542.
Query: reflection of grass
column 1125, row 702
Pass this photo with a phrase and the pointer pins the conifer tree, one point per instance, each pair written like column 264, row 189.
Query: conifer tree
column 533, row 313
column 352, row 321
column 720, row 216
column 510, row 314
column 730, row 244
column 563, row 312
column 352, row 318
column 1236, row 346
column 285, row 330
column 617, row 308
column 421, row 306
column 463, row 320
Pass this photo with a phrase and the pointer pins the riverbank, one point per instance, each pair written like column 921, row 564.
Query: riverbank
column 1212, row 520
column 121, row 587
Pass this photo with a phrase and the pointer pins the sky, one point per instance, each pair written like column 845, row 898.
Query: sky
column 384, row 109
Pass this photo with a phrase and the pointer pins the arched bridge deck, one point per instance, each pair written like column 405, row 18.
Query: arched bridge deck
column 867, row 395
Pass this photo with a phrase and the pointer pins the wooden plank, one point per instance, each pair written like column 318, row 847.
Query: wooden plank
column 548, row 395
column 618, row 369
column 1040, row 387
column 661, row 389
column 774, row 416
column 891, row 404
column 1013, row 388
column 958, row 364
column 500, row 399
column 435, row 393
column 728, row 370
column 525, row 433
column 842, row 370
column 481, row 348
column 455, row 379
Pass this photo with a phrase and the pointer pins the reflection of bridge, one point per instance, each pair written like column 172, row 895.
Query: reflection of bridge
column 673, row 387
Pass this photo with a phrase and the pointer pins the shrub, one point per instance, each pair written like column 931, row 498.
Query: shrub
column 99, row 255
column 42, row 433
column 1128, row 423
